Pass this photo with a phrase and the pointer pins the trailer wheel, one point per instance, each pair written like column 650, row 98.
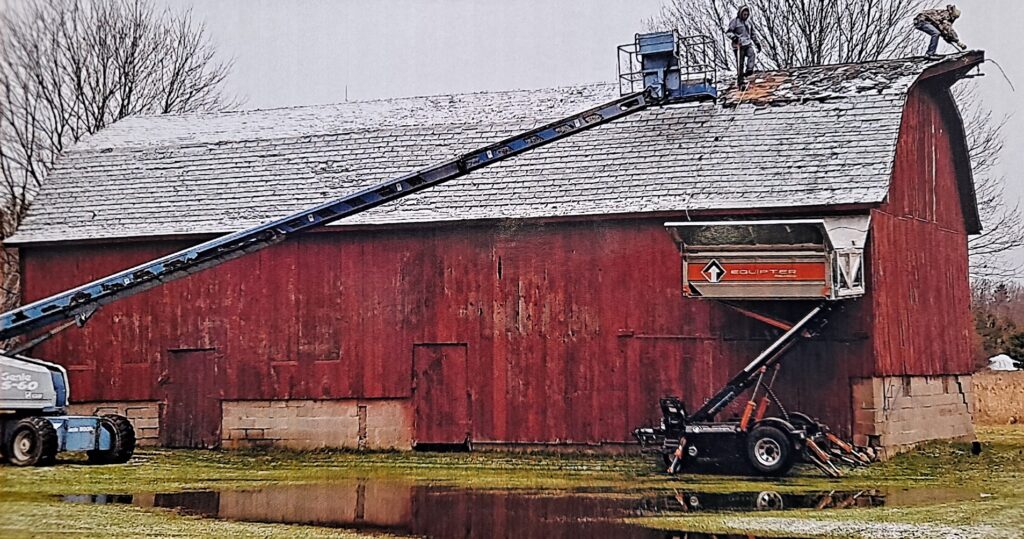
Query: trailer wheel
column 769, row 450
column 122, row 437
column 33, row 442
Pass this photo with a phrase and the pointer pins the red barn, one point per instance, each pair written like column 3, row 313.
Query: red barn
column 536, row 303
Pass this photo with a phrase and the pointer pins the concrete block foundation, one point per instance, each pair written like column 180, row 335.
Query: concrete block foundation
column 897, row 413
column 318, row 424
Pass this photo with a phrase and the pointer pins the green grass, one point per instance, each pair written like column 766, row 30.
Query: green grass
column 58, row 519
column 28, row 503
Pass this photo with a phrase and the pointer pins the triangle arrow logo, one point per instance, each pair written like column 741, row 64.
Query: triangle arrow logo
column 713, row 272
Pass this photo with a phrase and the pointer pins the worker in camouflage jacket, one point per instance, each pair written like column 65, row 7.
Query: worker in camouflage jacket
column 939, row 23
column 744, row 40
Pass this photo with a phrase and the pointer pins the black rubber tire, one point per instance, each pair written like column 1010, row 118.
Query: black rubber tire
column 770, row 451
column 33, row 442
column 123, row 441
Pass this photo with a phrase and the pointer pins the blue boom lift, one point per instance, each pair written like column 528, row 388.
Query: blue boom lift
column 34, row 425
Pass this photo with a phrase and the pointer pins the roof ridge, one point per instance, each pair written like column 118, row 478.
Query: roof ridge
column 223, row 113
column 920, row 59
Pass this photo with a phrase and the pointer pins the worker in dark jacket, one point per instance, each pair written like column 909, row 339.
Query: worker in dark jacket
column 744, row 40
column 939, row 23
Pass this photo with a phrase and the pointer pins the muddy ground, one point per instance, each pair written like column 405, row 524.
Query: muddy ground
column 939, row 490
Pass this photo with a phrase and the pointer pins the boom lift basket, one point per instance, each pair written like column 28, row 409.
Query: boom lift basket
column 681, row 67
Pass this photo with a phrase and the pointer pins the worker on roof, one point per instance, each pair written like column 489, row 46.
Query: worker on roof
column 939, row 23
column 744, row 41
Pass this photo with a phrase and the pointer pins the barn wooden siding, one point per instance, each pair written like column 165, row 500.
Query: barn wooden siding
column 572, row 331
column 569, row 331
column 920, row 290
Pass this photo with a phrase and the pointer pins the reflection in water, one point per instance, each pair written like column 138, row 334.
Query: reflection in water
column 767, row 500
column 441, row 512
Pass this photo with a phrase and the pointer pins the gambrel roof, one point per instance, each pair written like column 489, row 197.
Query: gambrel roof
column 812, row 137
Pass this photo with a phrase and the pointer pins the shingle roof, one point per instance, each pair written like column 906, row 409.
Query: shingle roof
column 810, row 137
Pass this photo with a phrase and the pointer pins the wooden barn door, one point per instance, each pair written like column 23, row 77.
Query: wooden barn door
column 191, row 416
column 441, row 394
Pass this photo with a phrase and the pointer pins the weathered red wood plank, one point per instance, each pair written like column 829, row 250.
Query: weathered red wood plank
column 920, row 288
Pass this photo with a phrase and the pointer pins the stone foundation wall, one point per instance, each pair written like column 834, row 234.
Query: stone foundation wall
column 999, row 398
column 318, row 424
column 144, row 416
column 898, row 412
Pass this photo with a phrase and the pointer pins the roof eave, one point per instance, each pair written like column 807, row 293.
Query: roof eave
column 848, row 208
column 954, row 68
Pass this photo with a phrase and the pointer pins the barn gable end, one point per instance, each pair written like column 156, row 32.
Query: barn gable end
column 919, row 267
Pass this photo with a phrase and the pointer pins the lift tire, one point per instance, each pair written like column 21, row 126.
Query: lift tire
column 33, row 442
column 770, row 450
column 122, row 437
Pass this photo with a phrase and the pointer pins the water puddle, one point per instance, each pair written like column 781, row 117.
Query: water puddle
column 444, row 512
column 770, row 500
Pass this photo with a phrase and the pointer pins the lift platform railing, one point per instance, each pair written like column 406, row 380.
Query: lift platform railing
column 680, row 66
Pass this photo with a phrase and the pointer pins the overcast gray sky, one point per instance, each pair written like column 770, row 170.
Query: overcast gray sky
column 299, row 52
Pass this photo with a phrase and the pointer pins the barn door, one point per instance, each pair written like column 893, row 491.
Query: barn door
column 441, row 395
column 191, row 415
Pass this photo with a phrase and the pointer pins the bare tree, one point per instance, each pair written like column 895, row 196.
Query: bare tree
column 1002, row 219
column 998, row 310
column 803, row 32
column 797, row 33
column 69, row 68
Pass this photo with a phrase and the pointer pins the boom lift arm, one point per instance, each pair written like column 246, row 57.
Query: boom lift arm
column 750, row 374
column 655, row 75
column 85, row 299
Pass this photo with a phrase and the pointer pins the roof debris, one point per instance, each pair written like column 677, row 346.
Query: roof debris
column 822, row 83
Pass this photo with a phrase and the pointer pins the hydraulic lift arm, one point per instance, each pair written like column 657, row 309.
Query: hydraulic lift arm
column 750, row 374
column 83, row 300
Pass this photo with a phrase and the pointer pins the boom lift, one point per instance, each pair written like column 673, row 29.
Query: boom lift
column 802, row 261
column 657, row 69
